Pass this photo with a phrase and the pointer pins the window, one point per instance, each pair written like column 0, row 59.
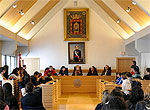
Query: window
column 10, row 61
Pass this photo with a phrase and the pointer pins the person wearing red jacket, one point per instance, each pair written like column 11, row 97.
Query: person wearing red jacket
column 51, row 70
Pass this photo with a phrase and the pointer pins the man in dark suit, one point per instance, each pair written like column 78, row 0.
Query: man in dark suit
column 77, row 54
column 107, row 71
column 31, row 101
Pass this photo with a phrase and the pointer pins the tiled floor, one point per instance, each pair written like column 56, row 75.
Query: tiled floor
column 77, row 101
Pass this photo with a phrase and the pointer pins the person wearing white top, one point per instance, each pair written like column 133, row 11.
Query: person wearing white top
column 126, row 86
column 1, row 78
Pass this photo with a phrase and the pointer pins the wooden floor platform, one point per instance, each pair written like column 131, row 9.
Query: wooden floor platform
column 77, row 101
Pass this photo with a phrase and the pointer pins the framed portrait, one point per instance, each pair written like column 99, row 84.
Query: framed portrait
column 76, row 24
column 76, row 52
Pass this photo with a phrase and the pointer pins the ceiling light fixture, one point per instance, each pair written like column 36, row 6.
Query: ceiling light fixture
column 14, row 6
column 21, row 12
column 118, row 21
column 133, row 2
column 129, row 9
column 32, row 22
column 75, row 3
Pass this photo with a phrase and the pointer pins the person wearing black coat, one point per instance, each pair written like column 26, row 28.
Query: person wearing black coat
column 63, row 71
column 147, row 76
column 107, row 71
column 35, row 79
column 92, row 71
column 31, row 101
column 9, row 98
column 136, row 96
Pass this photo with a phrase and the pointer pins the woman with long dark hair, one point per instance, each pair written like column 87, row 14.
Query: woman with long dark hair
column 3, row 105
column 9, row 98
column 136, row 95
column 92, row 71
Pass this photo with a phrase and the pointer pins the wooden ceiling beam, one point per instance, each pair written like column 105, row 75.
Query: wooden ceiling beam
column 12, row 15
column 136, row 12
column 38, row 17
column 123, row 25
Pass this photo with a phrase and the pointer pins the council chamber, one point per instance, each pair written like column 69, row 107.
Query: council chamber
column 74, row 55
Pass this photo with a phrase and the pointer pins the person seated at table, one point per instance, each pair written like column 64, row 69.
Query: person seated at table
column 31, row 101
column 63, row 71
column 147, row 76
column 119, row 79
column 35, row 78
column 42, row 79
column 9, row 98
column 52, row 70
column 77, row 71
column 49, row 77
column 107, row 71
column 92, row 71
column 126, row 86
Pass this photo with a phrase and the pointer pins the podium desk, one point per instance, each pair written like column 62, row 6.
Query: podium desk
column 80, row 84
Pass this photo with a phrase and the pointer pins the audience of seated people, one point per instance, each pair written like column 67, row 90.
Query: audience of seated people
column 128, row 90
column 10, row 100
column 63, row 71
column 35, row 103
column 147, row 76
column 77, row 71
column 92, row 71
column 116, row 100
column 3, row 104
column 107, row 71
column 52, row 70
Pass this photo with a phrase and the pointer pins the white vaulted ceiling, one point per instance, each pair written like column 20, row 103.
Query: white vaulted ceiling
column 41, row 11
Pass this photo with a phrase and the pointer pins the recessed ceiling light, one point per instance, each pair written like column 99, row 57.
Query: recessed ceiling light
column 133, row 2
column 118, row 21
column 75, row 3
column 14, row 6
column 32, row 22
column 21, row 12
column 128, row 10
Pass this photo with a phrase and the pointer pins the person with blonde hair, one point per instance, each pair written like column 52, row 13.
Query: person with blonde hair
column 77, row 71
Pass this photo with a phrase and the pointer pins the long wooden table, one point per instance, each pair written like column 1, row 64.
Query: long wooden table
column 80, row 84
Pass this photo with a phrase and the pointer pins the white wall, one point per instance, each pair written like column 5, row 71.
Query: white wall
column 32, row 64
column 49, row 45
column 145, row 62
column 143, row 44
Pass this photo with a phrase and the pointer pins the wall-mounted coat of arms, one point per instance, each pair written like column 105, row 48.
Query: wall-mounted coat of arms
column 76, row 24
